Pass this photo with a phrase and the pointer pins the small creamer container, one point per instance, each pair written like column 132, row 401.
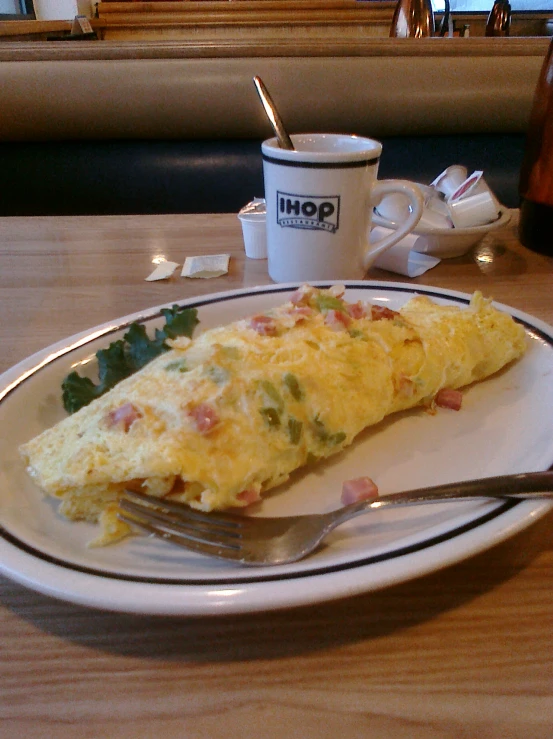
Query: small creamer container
column 253, row 217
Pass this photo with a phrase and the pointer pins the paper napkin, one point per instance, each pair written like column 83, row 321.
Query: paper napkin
column 162, row 271
column 402, row 257
column 206, row 266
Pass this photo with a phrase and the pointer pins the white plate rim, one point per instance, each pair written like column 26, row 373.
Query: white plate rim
column 143, row 595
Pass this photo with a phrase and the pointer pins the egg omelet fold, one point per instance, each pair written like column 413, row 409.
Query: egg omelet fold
column 219, row 419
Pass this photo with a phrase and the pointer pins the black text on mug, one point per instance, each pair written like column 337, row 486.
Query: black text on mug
column 316, row 212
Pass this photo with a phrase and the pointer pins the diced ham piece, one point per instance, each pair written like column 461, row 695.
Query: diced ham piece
column 361, row 488
column 380, row 311
column 300, row 312
column 405, row 387
column 264, row 325
column 301, row 295
column 449, row 398
column 356, row 310
column 249, row 496
column 204, row 417
column 337, row 319
column 125, row 416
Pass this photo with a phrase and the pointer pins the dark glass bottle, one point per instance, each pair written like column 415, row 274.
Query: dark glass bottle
column 413, row 19
column 536, row 175
column 499, row 19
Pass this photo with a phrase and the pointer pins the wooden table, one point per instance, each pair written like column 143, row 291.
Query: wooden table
column 466, row 652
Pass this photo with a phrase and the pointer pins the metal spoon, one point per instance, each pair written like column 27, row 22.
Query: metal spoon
column 284, row 141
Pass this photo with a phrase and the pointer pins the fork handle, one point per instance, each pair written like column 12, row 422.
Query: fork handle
column 532, row 485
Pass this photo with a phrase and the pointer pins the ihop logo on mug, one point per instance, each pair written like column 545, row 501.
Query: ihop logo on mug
column 315, row 212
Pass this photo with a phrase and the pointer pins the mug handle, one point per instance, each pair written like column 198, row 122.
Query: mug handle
column 384, row 187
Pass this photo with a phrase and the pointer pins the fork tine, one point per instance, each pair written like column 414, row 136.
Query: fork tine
column 211, row 519
column 168, row 533
column 181, row 524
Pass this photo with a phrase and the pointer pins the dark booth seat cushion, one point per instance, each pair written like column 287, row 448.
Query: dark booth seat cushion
column 499, row 156
column 128, row 177
column 195, row 176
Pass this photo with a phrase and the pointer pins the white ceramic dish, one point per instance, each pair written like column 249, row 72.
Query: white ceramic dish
column 447, row 243
column 510, row 413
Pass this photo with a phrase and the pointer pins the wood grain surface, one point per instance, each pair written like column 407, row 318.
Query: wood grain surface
column 464, row 653
column 270, row 45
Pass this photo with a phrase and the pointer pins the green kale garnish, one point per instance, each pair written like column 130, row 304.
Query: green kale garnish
column 78, row 391
column 178, row 322
column 127, row 355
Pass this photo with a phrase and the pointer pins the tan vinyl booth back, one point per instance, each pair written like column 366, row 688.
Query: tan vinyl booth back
column 168, row 117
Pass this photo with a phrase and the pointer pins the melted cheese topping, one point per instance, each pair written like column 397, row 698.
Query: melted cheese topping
column 222, row 418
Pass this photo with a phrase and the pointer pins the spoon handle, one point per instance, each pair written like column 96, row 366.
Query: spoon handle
column 284, row 141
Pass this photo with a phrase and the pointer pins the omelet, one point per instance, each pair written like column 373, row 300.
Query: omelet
column 220, row 419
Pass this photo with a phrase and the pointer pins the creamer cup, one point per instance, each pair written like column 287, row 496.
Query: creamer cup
column 450, row 179
column 474, row 210
column 474, row 185
column 468, row 187
column 253, row 217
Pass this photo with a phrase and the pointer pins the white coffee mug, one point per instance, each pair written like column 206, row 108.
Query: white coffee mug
column 320, row 198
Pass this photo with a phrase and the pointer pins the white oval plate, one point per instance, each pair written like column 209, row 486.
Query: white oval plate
column 509, row 416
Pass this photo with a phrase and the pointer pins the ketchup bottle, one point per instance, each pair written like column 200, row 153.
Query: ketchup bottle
column 536, row 175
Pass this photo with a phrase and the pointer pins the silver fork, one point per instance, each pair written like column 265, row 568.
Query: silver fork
column 277, row 541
